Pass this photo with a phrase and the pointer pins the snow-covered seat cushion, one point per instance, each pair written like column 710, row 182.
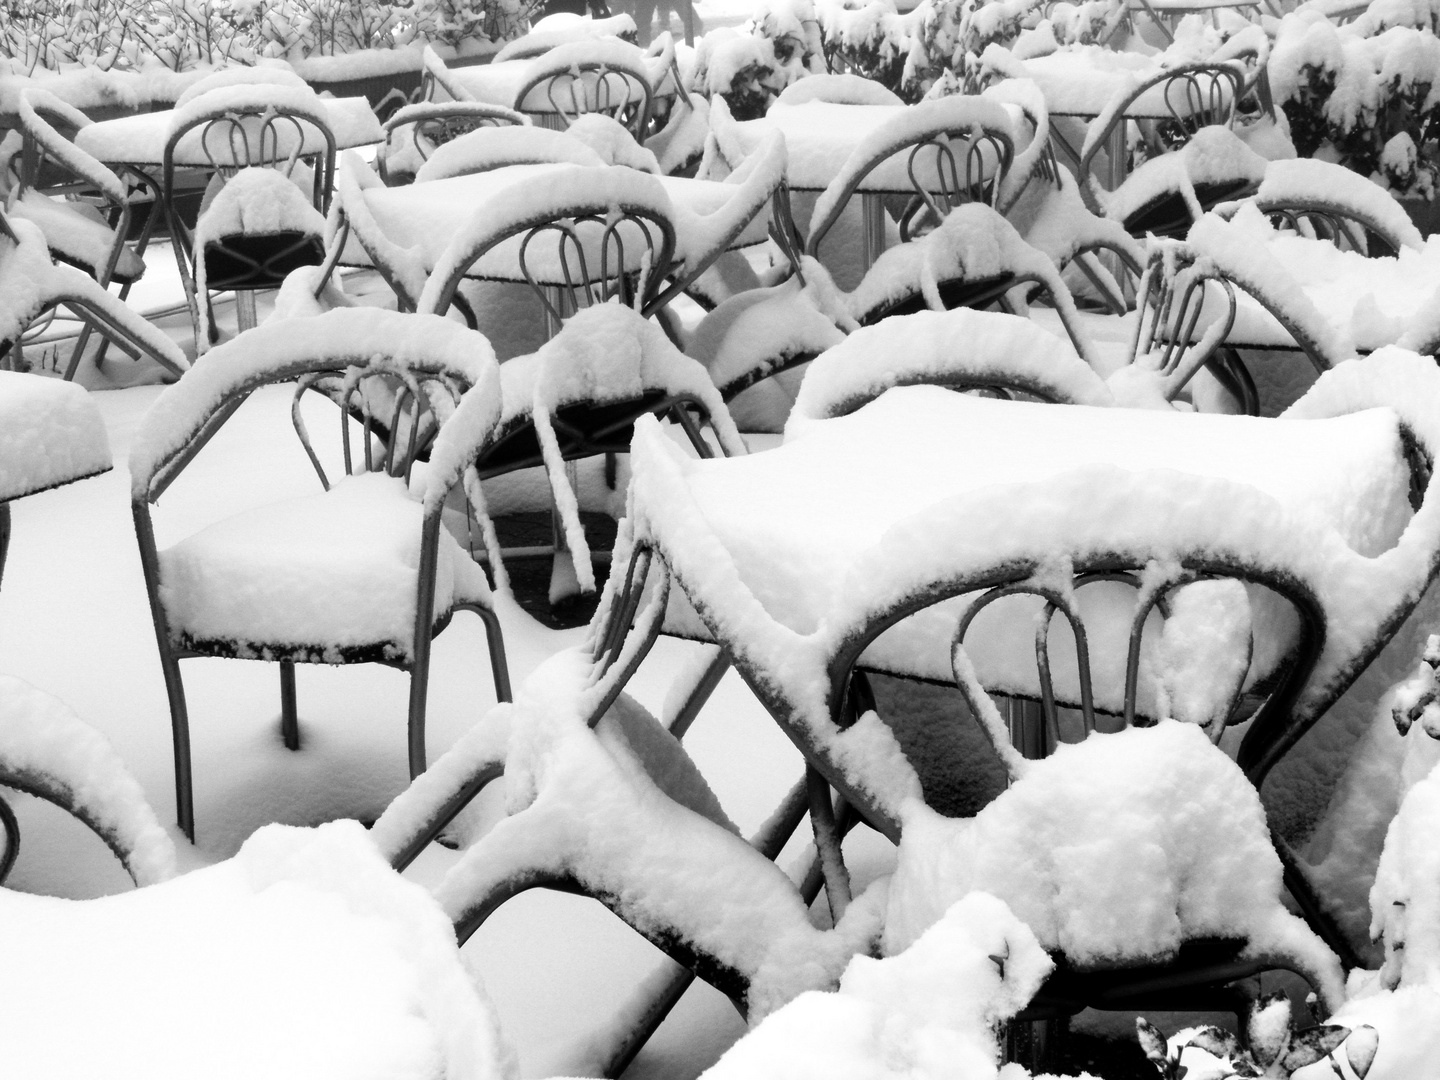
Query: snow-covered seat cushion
column 78, row 234
column 1167, row 193
column 50, row 434
column 330, row 577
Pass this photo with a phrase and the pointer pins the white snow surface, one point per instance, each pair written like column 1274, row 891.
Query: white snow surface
column 781, row 567
column 929, row 1012
column 839, row 89
column 1214, row 155
column 77, row 231
column 42, row 741
column 50, row 433
column 1115, row 850
column 303, row 956
column 493, row 148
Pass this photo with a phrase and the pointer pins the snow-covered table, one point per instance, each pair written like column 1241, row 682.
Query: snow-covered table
column 799, row 519
column 139, row 140
column 51, row 433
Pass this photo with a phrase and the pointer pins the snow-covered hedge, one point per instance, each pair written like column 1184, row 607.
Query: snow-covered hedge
column 183, row 34
column 939, row 42
column 1366, row 94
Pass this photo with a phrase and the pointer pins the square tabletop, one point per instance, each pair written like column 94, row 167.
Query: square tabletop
column 51, row 433
column 140, row 139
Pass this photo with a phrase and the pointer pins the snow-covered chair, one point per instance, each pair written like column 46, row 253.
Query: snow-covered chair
column 401, row 268
column 588, row 235
column 1171, row 189
column 579, row 397
column 437, row 84
column 960, row 150
column 604, row 75
column 49, row 752
column 1328, row 201
column 361, row 572
column 33, row 284
column 302, row 955
column 270, row 153
column 414, row 131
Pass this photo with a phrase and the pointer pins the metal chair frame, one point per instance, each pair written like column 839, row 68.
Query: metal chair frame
column 231, row 139
column 436, row 123
column 621, row 92
column 398, row 405
column 81, row 293
column 581, row 285
column 947, row 192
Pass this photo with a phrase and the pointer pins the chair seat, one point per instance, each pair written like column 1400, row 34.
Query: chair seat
column 326, row 578
column 256, row 229
column 76, row 234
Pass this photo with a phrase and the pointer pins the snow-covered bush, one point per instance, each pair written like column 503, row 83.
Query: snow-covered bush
column 185, row 34
column 1365, row 94
column 741, row 68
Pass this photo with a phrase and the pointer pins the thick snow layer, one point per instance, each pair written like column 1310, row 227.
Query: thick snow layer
column 1081, row 80
column 612, row 141
column 820, row 136
column 965, row 345
column 1345, row 300
column 781, row 567
column 53, row 145
column 928, row 1013
column 1114, row 851
column 839, row 89
column 1310, row 182
column 634, row 76
column 552, row 31
column 350, row 585
column 31, row 282
column 1214, row 155
column 50, row 433
column 304, row 956
column 405, row 269
column 606, row 353
column 1404, row 911
column 493, row 148
column 283, row 349
column 585, row 802
column 141, row 139
column 44, row 745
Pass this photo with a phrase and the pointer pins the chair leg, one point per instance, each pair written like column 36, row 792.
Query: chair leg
column 11, row 828
column 419, row 687
column 180, row 734
column 495, row 640
column 289, row 716
column 4, row 537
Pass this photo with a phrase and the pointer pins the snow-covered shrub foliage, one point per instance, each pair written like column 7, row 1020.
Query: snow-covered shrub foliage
column 870, row 39
column 793, row 30
column 1272, row 1048
column 741, row 68
column 185, row 34
column 1365, row 94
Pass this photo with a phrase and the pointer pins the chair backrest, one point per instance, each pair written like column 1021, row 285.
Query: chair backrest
column 1192, row 96
column 1334, row 203
column 50, row 161
column 437, row 83
column 963, row 349
column 495, row 148
column 396, row 376
column 591, row 235
column 607, row 76
column 1171, row 300
column 246, row 125
column 422, row 127
column 960, row 151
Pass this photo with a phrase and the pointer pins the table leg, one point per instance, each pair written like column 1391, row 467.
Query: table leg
column 873, row 208
column 4, row 536
column 555, row 299
column 245, row 309
column 1117, row 153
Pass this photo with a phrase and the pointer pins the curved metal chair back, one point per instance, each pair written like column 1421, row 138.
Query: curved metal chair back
column 437, row 84
column 603, row 248
column 618, row 90
column 233, row 138
column 436, row 123
column 946, row 167
column 1170, row 301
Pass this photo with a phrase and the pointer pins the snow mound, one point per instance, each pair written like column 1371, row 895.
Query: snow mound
column 303, row 956
column 50, row 433
column 1115, row 850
